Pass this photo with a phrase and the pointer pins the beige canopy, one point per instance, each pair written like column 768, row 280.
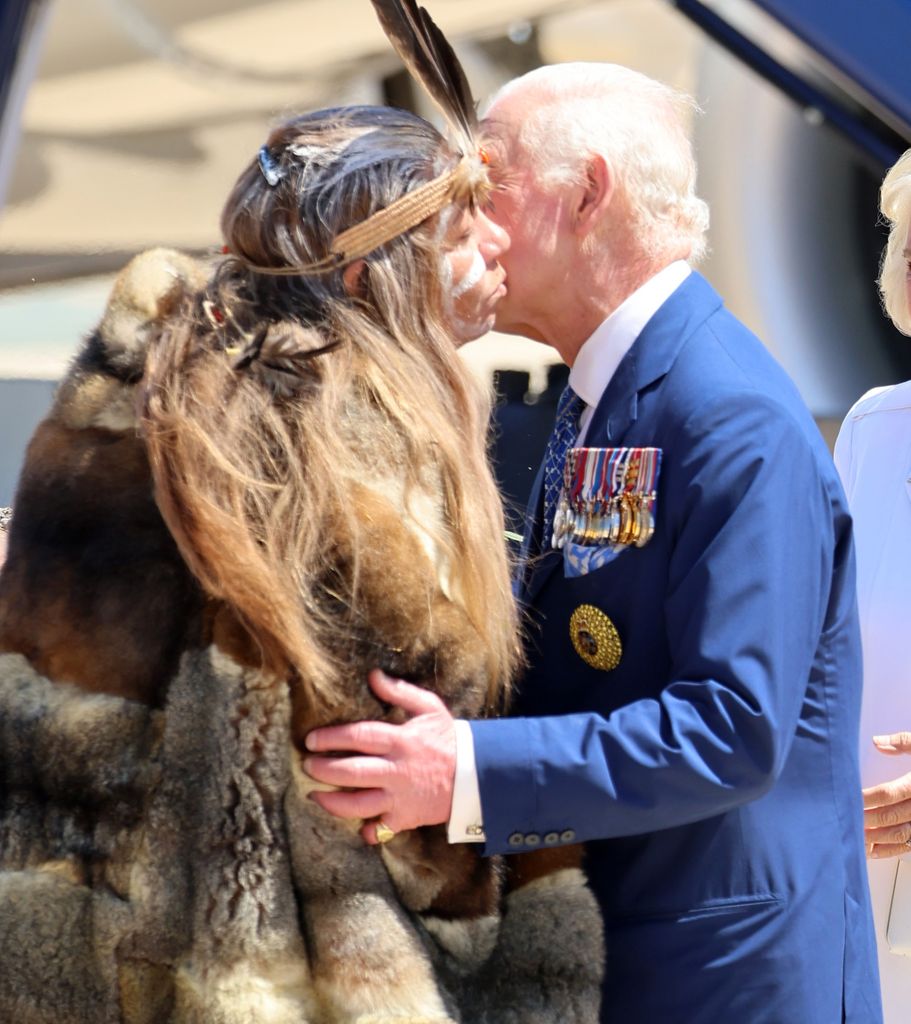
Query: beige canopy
column 143, row 111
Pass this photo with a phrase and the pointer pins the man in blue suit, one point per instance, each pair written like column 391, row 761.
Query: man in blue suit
column 691, row 705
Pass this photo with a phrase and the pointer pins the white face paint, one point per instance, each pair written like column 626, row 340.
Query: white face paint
column 472, row 277
column 471, row 274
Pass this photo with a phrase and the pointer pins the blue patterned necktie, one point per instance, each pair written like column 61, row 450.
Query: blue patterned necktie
column 562, row 438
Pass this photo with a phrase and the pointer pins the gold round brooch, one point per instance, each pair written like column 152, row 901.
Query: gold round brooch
column 595, row 638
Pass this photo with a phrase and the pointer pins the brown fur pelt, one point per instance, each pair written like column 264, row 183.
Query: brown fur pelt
column 160, row 862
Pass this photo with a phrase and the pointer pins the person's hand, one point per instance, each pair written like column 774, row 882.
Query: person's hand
column 401, row 775
column 887, row 807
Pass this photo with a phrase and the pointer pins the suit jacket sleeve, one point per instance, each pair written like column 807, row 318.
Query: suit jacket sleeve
column 751, row 548
column 844, row 452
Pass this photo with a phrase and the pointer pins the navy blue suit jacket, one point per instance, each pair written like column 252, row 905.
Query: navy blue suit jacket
column 714, row 772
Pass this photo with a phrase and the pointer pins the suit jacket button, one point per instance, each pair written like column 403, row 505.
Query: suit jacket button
column 532, row 839
column 568, row 836
column 551, row 838
column 516, row 839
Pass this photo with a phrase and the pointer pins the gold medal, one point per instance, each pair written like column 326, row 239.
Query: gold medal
column 608, row 497
column 626, row 516
column 635, row 526
column 595, row 638
column 588, row 527
column 646, row 521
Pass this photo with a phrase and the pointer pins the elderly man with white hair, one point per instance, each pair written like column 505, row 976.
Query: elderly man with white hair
column 690, row 708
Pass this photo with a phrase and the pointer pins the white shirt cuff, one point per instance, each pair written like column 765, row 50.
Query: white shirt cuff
column 466, row 824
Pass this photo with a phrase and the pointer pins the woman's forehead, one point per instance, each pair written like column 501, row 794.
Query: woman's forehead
column 457, row 220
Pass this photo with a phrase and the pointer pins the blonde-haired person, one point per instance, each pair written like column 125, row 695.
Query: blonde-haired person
column 873, row 455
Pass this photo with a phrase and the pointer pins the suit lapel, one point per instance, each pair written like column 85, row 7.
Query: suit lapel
column 648, row 360
column 531, row 533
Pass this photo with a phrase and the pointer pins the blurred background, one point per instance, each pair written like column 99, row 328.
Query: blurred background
column 123, row 123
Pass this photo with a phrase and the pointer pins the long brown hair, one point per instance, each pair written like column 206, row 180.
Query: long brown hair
column 273, row 397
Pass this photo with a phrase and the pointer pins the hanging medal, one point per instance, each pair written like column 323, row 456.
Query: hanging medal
column 608, row 497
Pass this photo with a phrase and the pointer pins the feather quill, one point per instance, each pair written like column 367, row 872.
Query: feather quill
column 431, row 60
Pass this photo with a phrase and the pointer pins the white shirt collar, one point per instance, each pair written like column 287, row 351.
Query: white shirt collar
column 600, row 355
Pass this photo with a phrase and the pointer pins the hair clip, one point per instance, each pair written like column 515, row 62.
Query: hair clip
column 269, row 166
column 484, row 156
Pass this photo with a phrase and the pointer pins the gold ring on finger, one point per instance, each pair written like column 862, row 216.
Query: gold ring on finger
column 383, row 832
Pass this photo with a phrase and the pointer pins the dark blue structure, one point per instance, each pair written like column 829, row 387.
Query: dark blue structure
column 861, row 81
column 15, row 20
column 867, row 42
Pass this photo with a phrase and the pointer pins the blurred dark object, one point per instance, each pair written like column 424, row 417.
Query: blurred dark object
column 522, row 422
column 15, row 17
column 19, row 50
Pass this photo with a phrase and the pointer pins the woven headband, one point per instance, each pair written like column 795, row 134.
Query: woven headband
column 381, row 227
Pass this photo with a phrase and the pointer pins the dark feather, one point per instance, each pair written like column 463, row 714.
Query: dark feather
column 431, row 60
column 281, row 357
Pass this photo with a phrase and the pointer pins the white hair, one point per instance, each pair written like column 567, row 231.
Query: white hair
column 895, row 203
column 637, row 124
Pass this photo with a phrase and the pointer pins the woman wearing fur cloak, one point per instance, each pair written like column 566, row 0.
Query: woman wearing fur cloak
column 306, row 497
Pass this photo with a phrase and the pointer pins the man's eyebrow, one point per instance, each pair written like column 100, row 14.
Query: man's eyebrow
column 491, row 126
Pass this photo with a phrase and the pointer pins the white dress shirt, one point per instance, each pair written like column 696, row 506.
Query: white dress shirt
column 594, row 366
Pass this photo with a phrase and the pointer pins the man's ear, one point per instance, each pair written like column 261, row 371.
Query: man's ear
column 596, row 195
column 353, row 278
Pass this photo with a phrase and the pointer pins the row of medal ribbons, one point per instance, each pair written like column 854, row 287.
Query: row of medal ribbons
column 608, row 497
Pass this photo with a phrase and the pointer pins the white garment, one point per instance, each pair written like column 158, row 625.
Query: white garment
column 595, row 364
column 465, row 821
column 873, row 456
column 597, row 360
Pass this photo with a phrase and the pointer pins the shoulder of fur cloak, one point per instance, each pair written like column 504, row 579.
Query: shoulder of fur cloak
column 62, row 742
